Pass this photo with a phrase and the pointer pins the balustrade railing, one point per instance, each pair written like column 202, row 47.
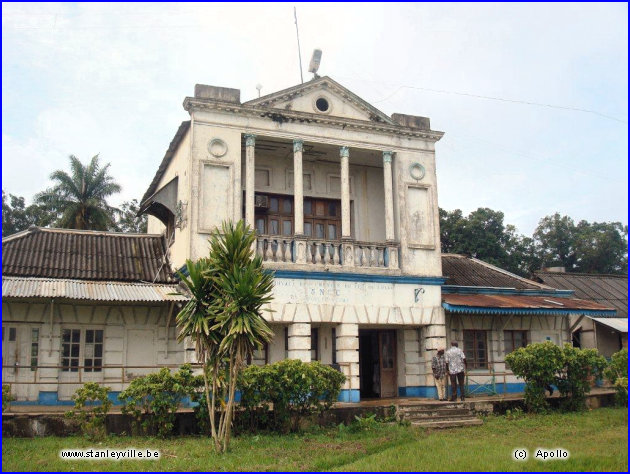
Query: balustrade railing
column 305, row 250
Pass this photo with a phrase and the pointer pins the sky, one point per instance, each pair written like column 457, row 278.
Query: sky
column 110, row 79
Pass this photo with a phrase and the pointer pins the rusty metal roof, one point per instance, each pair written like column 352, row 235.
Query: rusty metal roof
column 85, row 255
column 461, row 270
column 29, row 287
column 521, row 304
column 609, row 290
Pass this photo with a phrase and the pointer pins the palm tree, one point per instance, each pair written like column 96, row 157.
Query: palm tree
column 224, row 316
column 79, row 199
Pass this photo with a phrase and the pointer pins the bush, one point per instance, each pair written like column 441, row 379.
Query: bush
column 618, row 366
column 579, row 366
column 538, row 365
column 91, row 405
column 617, row 373
column 545, row 364
column 294, row 388
column 7, row 398
column 621, row 386
column 153, row 400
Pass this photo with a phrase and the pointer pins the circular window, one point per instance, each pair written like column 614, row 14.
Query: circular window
column 322, row 104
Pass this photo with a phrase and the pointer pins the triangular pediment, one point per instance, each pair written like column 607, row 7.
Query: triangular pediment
column 325, row 97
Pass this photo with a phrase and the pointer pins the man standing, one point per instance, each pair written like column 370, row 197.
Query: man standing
column 456, row 365
column 438, row 365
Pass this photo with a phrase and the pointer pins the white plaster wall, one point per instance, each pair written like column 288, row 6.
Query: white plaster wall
column 337, row 107
column 229, row 203
column 415, row 261
column 178, row 167
column 114, row 320
column 276, row 346
column 538, row 328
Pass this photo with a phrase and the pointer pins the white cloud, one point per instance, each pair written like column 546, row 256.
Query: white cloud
column 110, row 78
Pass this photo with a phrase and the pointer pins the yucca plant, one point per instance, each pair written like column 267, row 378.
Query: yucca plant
column 224, row 316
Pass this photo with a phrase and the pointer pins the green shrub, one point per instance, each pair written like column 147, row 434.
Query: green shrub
column 367, row 422
column 617, row 373
column 91, row 405
column 618, row 366
column 538, row 365
column 153, row 400
column 569, row 368
column 579, row 367
column 295, row 389
column 621, row 386
column 7, row 398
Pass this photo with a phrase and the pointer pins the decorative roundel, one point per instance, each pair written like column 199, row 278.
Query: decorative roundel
column 417, row 171
column 217, row 147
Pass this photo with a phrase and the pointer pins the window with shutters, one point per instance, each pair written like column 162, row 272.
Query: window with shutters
column 476, row 349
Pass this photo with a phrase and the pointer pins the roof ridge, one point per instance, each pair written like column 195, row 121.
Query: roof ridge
column 510, row 274
column 614, row 275
column 59, row 230
column 85, row 281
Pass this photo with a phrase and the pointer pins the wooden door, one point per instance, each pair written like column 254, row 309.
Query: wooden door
column 387, row 356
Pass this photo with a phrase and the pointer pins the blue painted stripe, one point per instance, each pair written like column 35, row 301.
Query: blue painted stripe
column 418, row 392
column 538, row 311
column 488, row 290
column 349, row 396
column 303, row 275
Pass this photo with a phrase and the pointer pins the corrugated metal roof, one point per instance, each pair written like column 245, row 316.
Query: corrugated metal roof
column 18, row 287
column 521, row 304
column 610, row 290
column 85, row 255
column 461, row 270
column 618, row 324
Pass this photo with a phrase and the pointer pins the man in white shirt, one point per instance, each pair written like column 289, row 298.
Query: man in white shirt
column 456, row 365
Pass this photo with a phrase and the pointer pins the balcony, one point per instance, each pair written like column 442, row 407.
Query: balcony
column 327, row 253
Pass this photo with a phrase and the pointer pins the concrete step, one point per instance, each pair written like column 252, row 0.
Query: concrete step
column 440, row 416
column 452, row 423
column 431, row 413
column 433, row 406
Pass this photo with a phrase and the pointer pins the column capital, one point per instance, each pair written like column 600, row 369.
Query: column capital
column 250, row 139
column 298, row 144
column 387, row 156
column 344, row 152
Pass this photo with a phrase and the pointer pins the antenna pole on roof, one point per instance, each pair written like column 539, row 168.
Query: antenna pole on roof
column 297, row 32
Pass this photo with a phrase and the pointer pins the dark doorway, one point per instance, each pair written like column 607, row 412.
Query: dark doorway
column 377, row 363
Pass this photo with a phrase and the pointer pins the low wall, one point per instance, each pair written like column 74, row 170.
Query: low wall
column 25, row 425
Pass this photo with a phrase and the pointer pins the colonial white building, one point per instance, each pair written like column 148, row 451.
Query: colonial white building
column 344, row 202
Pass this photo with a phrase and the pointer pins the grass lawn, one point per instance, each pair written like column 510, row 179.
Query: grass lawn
column 597, row 441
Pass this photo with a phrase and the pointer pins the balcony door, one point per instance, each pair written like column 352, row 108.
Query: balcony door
column 322, row 217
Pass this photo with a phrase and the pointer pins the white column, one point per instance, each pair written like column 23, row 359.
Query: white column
column 298, row 187
column 250, row 179
column 344, row 153
column 300, row 341
column 348, row 357
column 389, row 200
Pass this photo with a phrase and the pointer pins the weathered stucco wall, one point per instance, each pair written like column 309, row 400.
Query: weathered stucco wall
column 133, row 335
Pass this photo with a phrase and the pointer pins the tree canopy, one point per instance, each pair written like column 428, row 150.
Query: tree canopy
column 586, row 247
column 78, row 199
